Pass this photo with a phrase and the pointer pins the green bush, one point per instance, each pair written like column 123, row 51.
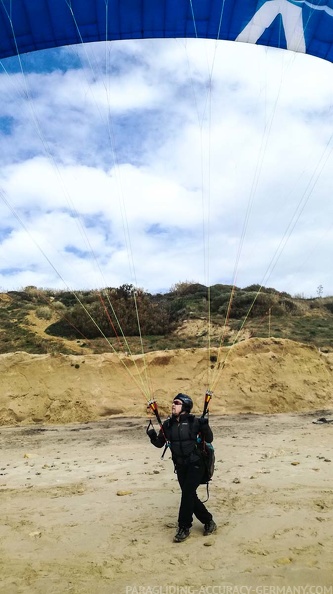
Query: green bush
column 58, row 306
column 44, row 312
column 329, row 306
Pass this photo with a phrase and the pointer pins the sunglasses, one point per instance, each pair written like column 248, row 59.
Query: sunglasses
column 177, row 402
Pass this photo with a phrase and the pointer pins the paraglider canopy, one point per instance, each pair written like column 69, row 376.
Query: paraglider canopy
column 30, row 25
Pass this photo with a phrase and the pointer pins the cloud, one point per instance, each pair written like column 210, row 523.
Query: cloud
column 157, row 161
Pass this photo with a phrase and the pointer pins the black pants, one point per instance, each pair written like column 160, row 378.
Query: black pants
column 189, row 478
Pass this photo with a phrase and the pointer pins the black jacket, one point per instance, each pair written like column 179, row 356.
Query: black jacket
column 182, row 436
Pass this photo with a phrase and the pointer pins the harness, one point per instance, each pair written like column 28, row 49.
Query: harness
column 190, row 442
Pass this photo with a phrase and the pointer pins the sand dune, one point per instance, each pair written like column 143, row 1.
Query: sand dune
column 257, row 375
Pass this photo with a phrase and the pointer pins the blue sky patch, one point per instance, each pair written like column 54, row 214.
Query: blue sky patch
column 11, row 271
column 82, row 254
column 6, row 125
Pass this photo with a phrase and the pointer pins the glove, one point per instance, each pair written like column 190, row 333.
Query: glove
column 203, row 421
column 151, row 434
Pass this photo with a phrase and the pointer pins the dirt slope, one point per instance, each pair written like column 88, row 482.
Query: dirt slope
column 257, row 375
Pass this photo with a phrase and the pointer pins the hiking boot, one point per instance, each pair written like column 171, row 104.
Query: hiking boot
column 209, row 528
column 182, row 534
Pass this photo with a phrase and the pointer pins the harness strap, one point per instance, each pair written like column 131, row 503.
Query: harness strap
column 207, row 488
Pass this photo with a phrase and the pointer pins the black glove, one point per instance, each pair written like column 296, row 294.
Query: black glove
column 151, row 434
column 203, row 421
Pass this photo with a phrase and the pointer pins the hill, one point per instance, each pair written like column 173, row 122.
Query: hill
column 44, row 321
column 274, row 355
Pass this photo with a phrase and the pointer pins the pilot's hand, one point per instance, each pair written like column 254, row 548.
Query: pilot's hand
column 152, row 434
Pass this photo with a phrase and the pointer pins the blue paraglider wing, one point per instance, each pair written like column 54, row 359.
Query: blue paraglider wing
column 30, row 25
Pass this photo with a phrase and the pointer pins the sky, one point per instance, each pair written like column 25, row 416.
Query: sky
column 154, row 162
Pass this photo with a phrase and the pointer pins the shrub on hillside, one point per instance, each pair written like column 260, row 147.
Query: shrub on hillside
column 44, row 312
column 115, row 314
column 329, row 306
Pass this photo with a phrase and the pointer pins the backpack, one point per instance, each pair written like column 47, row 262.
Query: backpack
column 208, row 455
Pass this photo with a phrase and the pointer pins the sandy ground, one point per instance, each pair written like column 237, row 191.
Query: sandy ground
column 91, row 508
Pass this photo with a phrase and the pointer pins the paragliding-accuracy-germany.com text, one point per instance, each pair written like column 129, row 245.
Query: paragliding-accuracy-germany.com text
column 230, row 589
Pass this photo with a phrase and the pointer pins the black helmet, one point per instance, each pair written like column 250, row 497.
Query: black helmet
column 186, row 400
